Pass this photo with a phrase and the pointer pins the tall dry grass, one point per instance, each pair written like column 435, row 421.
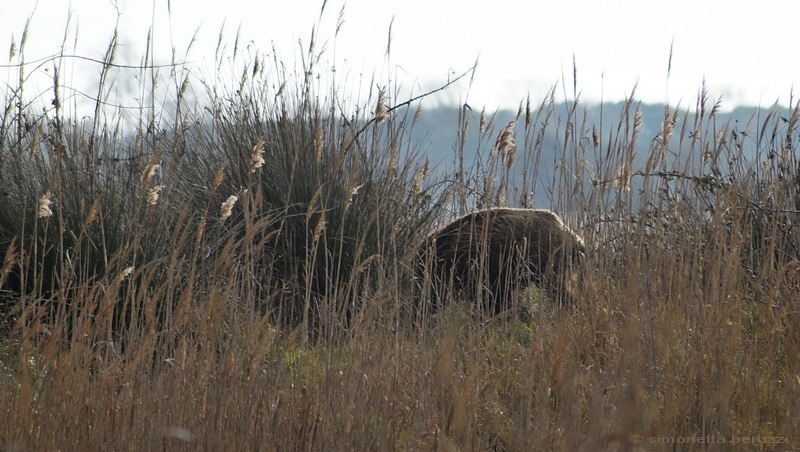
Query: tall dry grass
column 234, row 279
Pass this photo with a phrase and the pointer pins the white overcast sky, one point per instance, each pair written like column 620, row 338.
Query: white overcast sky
column 747, row 51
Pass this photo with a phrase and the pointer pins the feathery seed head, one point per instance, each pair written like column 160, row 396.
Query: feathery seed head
column 623, row 180
column 392, row 161
column 92, row 213
column 319, row 139
column 416, row 185
column 638, row 118
column 150, row 171
column 218, row 177
column 123, row 274
column 257, row 159
column 506, row 142
column 44, row 206
column 227, row 207
column 668, row 127
column 418, row 113
column 152, row 195
column 352, row 192
column 319, row 228
column 381, row 113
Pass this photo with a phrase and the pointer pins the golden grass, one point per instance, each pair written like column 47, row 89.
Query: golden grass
column 686, row 335
column 680, row 340
column 587, row 379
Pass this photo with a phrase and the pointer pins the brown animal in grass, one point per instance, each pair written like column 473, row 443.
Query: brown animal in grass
column 489, row 254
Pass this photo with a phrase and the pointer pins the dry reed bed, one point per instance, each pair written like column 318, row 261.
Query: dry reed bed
column 234, row 280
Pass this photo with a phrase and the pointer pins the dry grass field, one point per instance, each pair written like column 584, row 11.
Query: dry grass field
column 236, row 277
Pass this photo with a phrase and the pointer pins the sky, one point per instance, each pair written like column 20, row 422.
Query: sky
column 745, row 51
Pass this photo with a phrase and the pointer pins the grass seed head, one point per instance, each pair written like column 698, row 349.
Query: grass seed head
column 638, row 118
column 623, row 179
column 92, row 213
column 506, row 142
column 124, row 274
column 150, row 171
column 416, row 185
column 8, row 263
column 218, row 177
column 227, row 207
column 319, row 228
column 257, row 159
column 319, row 140
column 44, row 206
column 351, row 193
column 152, row 195
column 381, row 113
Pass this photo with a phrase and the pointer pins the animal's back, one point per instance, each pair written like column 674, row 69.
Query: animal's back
column 491, row 253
